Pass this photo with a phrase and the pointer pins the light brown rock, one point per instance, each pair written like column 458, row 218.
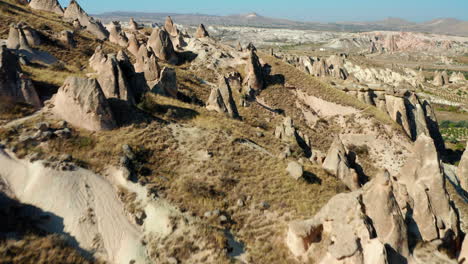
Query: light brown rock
column 201, row 32
column 432, row 214
column 15, row 86
column 116, row 34
column 17, row 39
column 255, row 79
column 81, row 102
column 75, row 12
column 161, row 43
column 337, row 163
column 47, row 5
column 111, row 77
column 463, row 171
column 221, row 99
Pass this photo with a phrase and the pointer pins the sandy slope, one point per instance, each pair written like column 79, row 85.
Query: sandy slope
column 81, row 204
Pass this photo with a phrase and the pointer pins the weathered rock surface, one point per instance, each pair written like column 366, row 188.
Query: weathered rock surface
column 387, row 218
column 295, row 170
column 201, row 32
column 116, row 35
column 339, row 233
column 255, row 77
column 17, row 38
column 338, row 164
column 47, row 5
column 432, row 216
column 221, row 99
column 132, row 25
column 167, row 83
column 14, row 86
column 75, row 12
column 81, row 102
column 289, row 134
column 161, row 43
column 463, row 171
column 170, row 27
column 67, row 39
column 111, row 77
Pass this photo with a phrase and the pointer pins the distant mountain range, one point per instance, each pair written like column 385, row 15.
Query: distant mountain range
column 447, row 26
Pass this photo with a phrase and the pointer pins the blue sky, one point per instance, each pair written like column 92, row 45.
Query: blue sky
column 305, row 10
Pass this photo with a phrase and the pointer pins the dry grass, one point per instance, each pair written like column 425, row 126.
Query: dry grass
column 34, row 249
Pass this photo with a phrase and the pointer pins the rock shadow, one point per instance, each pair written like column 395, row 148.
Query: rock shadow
column 18, row 220
column 311, row 178
column 126, row 114
column 186, row 57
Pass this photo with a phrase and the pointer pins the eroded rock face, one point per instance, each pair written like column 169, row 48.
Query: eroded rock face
column 338, row 164
column 132, row 25
column 47, row 5
column 221, row 99
column 116, row 34
column 133, row 45
column 336, row 67
column 432, row 215
column 440, row 78
column 463, row 171
column 161, row 43
column 81, row 102
column 167, row 83
column 289, row 134
column 201, row 32
column 170, row 27
column 17, row 39
column 371, row 226
column 415, row 116
column 75, row 12
column 457, row 78
column 14, row 86
column 339, row 233
column 111, row 77
column 387, row 218
column 66, row 38
column 254, row 69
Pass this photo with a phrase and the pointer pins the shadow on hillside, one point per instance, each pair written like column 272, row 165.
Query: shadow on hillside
column 18, row 220
column 126, row 114
column 311, row 178
column 186, row 57
column 175, row 112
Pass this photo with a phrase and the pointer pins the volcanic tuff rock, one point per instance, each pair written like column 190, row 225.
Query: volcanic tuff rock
column 463, row 171
column 170, row 27
column 116, row 35
column 110, row 76
column 136, row 81
column 167, row 83
column 289, row 134
column 132, row 25
column 66, row 38
column 221, row 99
column 338, row 164
column 295, row 170
column 17, row 39
column 81, row 102
column 133, row 45
column 339, row 233
column 457, row 77
column 161, row 43
column 432, row 215
column 74, row 11
column 201, row 32
column 14, row 86
column 255, row 77
column 47, row 5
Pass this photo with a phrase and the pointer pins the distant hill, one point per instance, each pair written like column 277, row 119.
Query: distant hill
column 447, row 26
